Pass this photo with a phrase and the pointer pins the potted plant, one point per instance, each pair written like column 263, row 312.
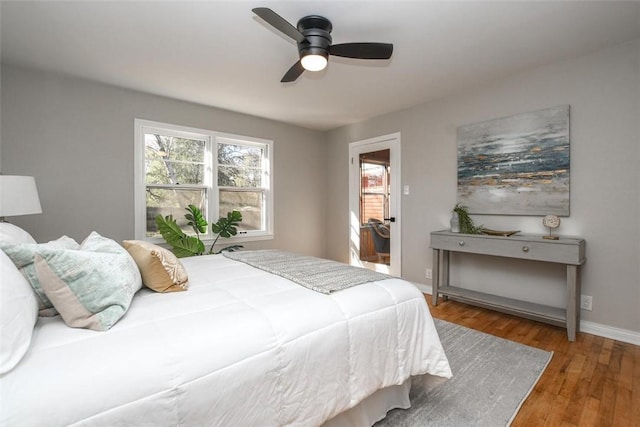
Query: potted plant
column 184, row 245
column 466, row 223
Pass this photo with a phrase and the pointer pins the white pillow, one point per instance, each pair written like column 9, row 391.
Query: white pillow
column 10, row 233
column 18, row 314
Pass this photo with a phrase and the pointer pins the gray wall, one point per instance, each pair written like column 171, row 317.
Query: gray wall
column 76, row 138
column 603, row 90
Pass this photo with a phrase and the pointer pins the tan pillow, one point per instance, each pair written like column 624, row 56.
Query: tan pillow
column 160, row 269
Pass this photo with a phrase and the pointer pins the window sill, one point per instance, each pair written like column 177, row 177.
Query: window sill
column 221, row 241
column 239, row 239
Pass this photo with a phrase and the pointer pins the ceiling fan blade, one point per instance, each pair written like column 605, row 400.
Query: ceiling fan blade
column 294, row 72
column 362, row 50
column 279, row 23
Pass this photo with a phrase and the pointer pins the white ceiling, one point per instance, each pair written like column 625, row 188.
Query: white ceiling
column 219, row 53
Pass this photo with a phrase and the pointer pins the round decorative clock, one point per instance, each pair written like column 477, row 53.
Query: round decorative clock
column 551, row 222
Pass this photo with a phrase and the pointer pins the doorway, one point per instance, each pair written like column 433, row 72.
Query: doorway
column 374, row 205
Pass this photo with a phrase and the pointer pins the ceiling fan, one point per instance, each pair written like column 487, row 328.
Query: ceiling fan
column 313, row 35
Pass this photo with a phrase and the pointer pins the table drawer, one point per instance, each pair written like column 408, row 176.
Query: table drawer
column 565, row 252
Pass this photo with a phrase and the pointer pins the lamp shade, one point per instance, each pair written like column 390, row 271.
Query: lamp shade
column 18, row 196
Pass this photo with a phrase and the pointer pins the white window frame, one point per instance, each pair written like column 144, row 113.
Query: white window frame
column 212, row 138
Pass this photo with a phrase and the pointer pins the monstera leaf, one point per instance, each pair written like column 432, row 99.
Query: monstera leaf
column 196, row 220
column 226, row 227
column 182, row 245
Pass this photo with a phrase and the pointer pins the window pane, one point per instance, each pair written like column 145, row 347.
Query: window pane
column 168, row 172
column 168, row 201
column 249, row 203
column 172, row 160
column 240, row 155
column 373, row 178
column 372, row 206
column 230, row 176
column 374, row 187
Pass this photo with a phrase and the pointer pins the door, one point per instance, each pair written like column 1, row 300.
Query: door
column 374, row 204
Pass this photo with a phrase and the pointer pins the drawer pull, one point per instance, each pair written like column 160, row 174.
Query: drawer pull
column 525, row 249
column 461, row 243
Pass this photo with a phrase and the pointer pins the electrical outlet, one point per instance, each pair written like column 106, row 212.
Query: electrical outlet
column 428, row 273
column 586, row 302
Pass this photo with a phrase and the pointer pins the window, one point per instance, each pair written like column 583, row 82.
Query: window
column 177, row 166
column 375, row 181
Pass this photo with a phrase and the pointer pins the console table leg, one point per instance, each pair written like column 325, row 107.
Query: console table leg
column 573, row 301
column 444, row 271
column 435, row 277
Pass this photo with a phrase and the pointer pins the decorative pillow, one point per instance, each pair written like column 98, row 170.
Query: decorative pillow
column 23, row 256
column 92, row 287
column 64, row 242
column 160, row 269
column 10, row 233
column 18, row 314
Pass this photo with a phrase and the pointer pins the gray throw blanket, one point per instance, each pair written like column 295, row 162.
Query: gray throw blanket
column 317, row 274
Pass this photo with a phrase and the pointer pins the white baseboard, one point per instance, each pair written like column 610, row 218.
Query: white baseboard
column 425, row 289
column 618, row 334
column 624, row 335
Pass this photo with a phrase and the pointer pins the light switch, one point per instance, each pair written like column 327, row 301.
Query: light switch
column 406, row 190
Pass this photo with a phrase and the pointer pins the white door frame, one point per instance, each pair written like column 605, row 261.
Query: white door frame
column 391, row 142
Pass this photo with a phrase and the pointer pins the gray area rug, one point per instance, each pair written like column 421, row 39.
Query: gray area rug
column 491, row 379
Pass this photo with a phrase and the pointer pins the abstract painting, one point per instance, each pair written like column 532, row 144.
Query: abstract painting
column 516, row 165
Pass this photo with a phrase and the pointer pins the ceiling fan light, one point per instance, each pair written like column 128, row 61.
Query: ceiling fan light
column 314, row 62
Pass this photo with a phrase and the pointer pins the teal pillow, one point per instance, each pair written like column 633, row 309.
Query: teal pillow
column 92, row 287
column 23, row 256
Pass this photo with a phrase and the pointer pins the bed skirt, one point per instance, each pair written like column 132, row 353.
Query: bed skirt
column 374, row 408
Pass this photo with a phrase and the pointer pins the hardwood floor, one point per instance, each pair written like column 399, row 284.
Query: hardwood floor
column 593, row 381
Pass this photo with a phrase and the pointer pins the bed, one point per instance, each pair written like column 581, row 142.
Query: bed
column 241, row 347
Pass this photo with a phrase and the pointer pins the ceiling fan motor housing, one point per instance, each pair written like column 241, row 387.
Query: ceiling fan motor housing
column 313, row 36
column 317, row 32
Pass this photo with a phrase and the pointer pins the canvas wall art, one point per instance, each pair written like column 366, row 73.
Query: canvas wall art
column 516, row 165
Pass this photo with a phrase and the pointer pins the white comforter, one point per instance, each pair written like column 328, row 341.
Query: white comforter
column 241, row 347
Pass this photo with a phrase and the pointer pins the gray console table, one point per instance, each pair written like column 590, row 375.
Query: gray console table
column 568, row 251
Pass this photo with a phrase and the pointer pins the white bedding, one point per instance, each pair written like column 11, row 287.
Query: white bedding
column 241, row 347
